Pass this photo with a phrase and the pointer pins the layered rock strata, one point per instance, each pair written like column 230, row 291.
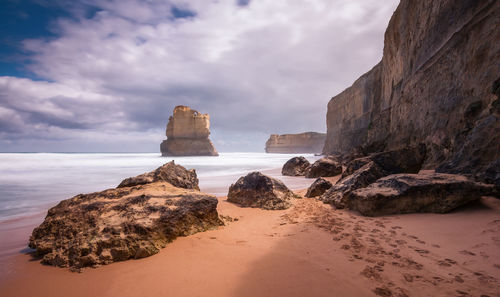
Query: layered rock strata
column 437, row 84
column 188, row 134
column 133, row 221
column 260, row 191
column 309, row 142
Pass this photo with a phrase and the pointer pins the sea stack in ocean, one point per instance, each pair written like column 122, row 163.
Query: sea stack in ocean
column 187, row 134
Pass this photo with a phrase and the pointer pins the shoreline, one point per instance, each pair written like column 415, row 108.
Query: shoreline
column 15, row 232
column 309, row 249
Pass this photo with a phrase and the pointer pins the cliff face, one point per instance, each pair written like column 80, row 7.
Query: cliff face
column 434, row 85
column 309, row 142
column 187, row 134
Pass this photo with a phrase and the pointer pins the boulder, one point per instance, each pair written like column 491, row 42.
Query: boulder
column 318, row 187
column 296, row 166
column 187, row 134
column 409, row 193
column 260, row 191
column 120, row 224
column 324, row 167
column 366, row 170
column 174, row 174
column 337, row 195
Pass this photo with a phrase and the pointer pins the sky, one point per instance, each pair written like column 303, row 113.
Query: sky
column 105, row 75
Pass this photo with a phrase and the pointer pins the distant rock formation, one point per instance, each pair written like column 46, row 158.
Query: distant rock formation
column 187, row 134
column 437, row 84
column 132, row 221
column 308, row 142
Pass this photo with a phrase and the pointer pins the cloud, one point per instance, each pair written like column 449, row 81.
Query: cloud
column 256, row 67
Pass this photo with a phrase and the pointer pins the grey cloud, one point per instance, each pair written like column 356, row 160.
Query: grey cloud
column 268, row 68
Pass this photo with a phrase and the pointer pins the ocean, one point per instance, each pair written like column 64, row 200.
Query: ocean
column 30, row 183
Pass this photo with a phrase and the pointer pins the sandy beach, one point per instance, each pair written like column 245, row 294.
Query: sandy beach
column 308, row 250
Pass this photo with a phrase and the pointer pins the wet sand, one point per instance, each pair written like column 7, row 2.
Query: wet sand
column 308, row 250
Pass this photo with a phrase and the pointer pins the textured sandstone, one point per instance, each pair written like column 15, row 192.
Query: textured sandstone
column 318, row 187
column 187, row 134
column 324, row 167
column 176, row 175
column 437, row 84
column 408, row 193
column 296, row 166
column 120, row 224
column 260, row 191
column 309, row 142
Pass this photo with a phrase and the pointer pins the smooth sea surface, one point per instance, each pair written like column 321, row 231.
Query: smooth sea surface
column 30, row 183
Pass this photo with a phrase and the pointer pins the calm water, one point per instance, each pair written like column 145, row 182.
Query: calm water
column 30, row 183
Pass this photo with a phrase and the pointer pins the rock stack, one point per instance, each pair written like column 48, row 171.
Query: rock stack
column 187, row 134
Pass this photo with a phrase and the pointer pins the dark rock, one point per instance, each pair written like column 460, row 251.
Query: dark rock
column 324, row 167
column 169, row 172
column 295, row 167
column 409, row 193
column 366, row 170
column 260, row 191
column 354, row 165
column 120, row 224
column 337, row 195
column 318, row 187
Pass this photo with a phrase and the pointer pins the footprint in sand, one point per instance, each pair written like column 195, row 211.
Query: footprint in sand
column 467, row 253
column 400, row 241
column 447, row 262
column 371, row 273
column 419, row 250
column 382, row 291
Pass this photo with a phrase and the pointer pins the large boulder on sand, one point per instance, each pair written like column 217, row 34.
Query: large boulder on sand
column 174, row 174
column 408, row 193
column 296, row 166
column 260, row 191
column 120, row 224
column 366, row 170
column 318, row 187
column 324, row 167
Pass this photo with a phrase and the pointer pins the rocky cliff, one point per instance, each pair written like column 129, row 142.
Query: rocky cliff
column 437, row 84
column 187, row 134
column 309, row 142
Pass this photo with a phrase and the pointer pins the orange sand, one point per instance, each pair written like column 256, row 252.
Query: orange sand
column 307, row 250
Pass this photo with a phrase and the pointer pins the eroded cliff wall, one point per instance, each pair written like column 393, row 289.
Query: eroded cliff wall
column 308, row 142
column 434, row 85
